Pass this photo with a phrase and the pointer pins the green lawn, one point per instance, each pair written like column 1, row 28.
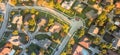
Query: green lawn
column 23, row 38
column 82, row 15
column 91, row 2
column 2, row 42
column 42, row 36
column 33, row 47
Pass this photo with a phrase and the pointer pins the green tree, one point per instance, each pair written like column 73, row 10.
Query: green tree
column 100, row 53
column 109, row 46
column 33, row 53
column 25, row 11
column 0, row 1
column 12, row 13
column 112, row 27
column 103, row 45
column 32, row 24
column 101, row 23
column 65, row 28
column 51, row 21
column 89, row 22
column 109, row 20
column 102, row 31
column 1, row 18
column 68, row 0
column 102, row 16
column 104, row 51
column 13, row 2
column 96, row 40
column 32, row 11
column 109, row 7
column 15, row 32
column 82, row 32
column 63, row 53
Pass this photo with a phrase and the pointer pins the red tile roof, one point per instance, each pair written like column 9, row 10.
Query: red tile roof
column 117, row 4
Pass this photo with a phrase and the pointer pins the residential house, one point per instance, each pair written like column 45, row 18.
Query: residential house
column 116, row 43
column 111, row 52
column 116, row 34
column 117, row 23
column 43, row 43
column 79, row 7
column 58, row 1
column 55, row 28
column 97, row 7
column 98, row 1
column 93, row 30
column 68, row 4
column 117, row 5
column 117, row 20
column 108, row 37
column 15, row 40
column 2, row 7
column 91, row 14
column 17, row 20
column 42, row 22
column 7, row 50
column 106, row 2
column 117, row 14
column 80, row 50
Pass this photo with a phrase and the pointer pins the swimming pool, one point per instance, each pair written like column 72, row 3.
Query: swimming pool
column 85, row 52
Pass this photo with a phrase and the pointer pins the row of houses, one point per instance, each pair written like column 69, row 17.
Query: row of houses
column 7, row 49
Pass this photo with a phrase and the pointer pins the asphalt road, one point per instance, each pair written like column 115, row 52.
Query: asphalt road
column 45, row 9
column 4, row 24
column 74, row 25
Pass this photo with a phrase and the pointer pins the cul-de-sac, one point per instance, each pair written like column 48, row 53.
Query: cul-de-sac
column 59, row 27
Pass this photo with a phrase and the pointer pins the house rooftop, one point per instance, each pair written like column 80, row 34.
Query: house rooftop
column 7, row 49
column 59, row 1
column 42, row 21
column 15, row 40
column 116, row 43
column 107, row 2
column 68, row 5
column 93, row 30
column 91, row 14
column 85, row 43
column 79, row 50
column 110, row 52
column 117, row 4
column 116, row 33
column 17, row 19
column 79, row 7
column 2, row 6
column 55, row 28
